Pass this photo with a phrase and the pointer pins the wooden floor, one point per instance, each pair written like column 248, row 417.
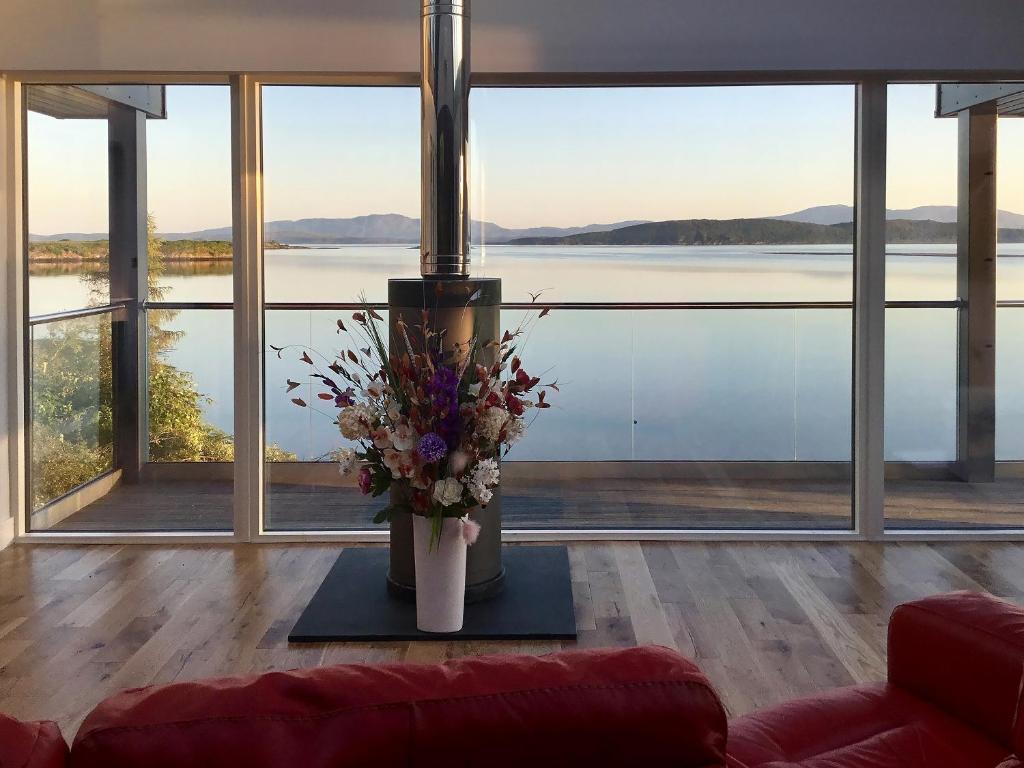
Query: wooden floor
column 766, row 622
column 577, row 504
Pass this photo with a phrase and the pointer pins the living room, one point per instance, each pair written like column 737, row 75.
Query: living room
column 693, row 437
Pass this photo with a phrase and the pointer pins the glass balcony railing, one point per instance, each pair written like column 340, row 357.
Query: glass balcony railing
column 70, row 391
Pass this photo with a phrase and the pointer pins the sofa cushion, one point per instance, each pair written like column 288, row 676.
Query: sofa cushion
column 31, row 745
column 642, row 706
column 870, row 726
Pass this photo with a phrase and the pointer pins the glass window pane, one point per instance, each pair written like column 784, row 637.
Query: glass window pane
column 341, row 190
column 1010, row 194
column 68, row 252
column 921, row 197
column 189, row 179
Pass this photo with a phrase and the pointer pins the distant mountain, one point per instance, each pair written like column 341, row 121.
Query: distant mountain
column 384, row 228
column 759, row 232
column 837, row 214
column 395, row 228
column 375, row 228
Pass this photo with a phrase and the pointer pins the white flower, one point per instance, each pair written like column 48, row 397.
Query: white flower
column 346, row 460
column 355, row 422
column 490, row 423
column 404, row 437
column 481, row 479
column 514, row 430
column 474, row 389
column 485, row 472
column 375, row 389
column 447, row 491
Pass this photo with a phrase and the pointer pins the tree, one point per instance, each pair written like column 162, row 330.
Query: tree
column 72, row 395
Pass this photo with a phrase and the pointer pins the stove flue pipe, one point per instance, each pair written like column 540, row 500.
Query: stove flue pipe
column 444, row 114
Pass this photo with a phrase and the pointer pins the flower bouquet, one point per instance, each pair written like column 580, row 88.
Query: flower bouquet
column 430, row 418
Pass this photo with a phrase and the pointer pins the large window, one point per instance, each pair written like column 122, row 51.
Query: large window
column 706, row 361
column 130, row 345
column 713, row 227
column 931, row 483
column 694, row 244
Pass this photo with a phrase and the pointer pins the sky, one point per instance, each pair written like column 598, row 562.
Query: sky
column 559, row 157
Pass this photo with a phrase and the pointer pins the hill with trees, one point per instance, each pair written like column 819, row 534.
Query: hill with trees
column 759, row 232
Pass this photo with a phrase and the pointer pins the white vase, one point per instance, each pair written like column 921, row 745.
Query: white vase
column 440, row 575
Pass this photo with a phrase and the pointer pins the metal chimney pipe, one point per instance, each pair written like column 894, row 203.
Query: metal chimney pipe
column 444, row 178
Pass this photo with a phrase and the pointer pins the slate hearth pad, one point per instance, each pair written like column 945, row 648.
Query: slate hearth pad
column 353, row 602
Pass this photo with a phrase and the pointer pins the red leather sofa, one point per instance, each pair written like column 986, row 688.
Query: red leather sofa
column 952, row 700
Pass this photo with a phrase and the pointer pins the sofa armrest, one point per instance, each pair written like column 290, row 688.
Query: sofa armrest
column 31, row 745
column 964, row 653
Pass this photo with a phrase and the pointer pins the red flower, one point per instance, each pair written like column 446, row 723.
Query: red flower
column 365, row 480
column 514, row 404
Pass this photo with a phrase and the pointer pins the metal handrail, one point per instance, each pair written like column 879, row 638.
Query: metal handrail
column 521, row 305
column 582, row 305
column 74, row 314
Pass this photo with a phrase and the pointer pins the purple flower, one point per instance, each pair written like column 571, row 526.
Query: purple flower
column 443, row 389
column 345, row 398
column 432, row 447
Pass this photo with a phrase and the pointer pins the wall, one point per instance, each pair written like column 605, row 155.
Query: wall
column 525, row 36
column 6, row 377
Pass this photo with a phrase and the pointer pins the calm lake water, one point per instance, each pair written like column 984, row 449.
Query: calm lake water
column 767, row 384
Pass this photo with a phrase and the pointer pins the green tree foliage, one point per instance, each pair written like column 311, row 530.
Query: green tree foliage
column 72, row 394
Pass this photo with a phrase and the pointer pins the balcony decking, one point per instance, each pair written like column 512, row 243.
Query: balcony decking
column 583, row 503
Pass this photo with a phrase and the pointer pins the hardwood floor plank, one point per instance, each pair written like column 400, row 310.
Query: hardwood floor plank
column 650, row 626
column 766, row 622
column 859, row 658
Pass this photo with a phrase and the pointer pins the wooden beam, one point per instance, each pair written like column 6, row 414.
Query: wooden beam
column 128, row 283
column 976, row 288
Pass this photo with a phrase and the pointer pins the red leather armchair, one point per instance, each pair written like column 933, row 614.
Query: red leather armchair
column 31, row 745
column 953, row 700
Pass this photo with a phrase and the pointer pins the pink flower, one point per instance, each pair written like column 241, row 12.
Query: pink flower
column 459, row 462
column 381, row 438
column 365, row 480
column 401, row 463
column 470, row 531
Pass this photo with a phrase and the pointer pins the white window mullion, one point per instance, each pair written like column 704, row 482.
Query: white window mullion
column 247, row 236
column 869, row 311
